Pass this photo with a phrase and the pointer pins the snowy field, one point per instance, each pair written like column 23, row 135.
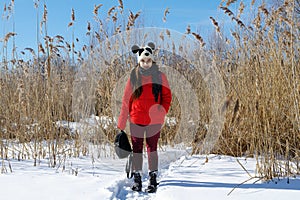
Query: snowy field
column 181, row 177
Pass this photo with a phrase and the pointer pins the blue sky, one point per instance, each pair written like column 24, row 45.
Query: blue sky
column 195, row 13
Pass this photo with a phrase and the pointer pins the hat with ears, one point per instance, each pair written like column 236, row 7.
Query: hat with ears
column 144, row 52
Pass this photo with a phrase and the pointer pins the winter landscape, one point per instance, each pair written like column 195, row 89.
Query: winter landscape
column 181, row 177
column 101, row 175
column 233, row 127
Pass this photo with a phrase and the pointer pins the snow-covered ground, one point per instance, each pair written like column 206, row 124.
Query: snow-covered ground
column 181, row 177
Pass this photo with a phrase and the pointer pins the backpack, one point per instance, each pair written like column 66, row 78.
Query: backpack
column 123, row 150
column 122, row 145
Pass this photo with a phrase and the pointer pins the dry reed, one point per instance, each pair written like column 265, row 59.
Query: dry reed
column 260, row 70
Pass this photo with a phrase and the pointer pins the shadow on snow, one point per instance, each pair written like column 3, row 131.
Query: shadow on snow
column 294, row 184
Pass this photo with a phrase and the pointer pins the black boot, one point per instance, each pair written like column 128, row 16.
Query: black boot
column 152, row 182
column 137, row 185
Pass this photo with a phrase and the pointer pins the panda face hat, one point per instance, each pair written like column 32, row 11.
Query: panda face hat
column 143, row 52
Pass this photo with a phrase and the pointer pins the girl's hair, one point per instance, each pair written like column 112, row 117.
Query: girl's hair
column 136, row 82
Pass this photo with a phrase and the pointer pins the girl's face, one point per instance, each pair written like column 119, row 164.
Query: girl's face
column 146, row 63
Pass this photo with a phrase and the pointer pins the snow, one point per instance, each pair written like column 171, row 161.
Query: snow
column 101, row 175
column 182, row 176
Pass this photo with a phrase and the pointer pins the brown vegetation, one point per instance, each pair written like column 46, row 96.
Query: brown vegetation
column 260, row 68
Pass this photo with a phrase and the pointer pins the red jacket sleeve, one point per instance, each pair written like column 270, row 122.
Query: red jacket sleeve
column 124, row 113
column 166, row 93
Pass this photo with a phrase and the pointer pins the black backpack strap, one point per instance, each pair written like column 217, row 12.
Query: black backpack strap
column 128, row 167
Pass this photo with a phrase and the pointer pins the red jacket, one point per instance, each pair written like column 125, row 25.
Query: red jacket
column 145, row 110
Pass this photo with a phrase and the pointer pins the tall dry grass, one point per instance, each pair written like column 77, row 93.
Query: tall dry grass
column 259, row 63
column 262, row 75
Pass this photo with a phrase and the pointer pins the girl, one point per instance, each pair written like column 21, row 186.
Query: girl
column 146, row 101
